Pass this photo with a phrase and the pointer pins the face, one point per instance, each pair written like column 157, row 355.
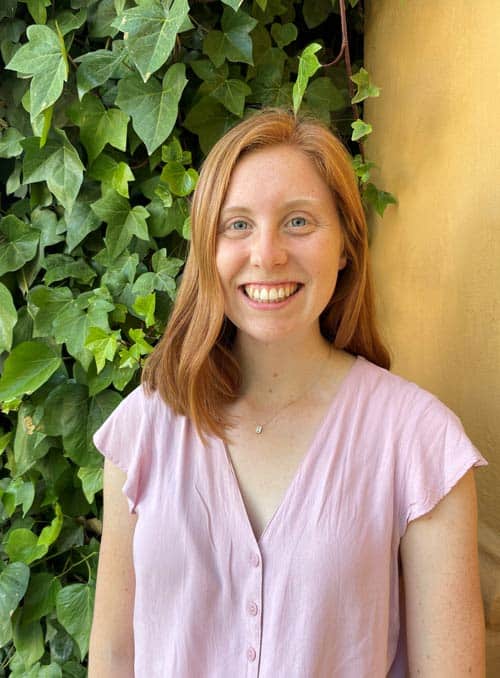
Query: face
column 279, row 245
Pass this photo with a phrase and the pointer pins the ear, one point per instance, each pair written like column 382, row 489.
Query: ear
column 342, row 261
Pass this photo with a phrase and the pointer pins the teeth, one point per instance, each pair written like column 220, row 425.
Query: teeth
column 270, row 294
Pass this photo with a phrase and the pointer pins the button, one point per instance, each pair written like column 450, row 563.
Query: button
column 252, row 608
column 251, row 654
column 255, row 560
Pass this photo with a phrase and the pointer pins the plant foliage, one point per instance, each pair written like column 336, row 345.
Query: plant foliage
column 107, row 108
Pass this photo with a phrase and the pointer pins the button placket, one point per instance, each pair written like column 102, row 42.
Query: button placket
column 253, row 613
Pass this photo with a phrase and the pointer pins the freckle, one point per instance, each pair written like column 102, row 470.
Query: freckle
column 270, row 390
column 275, row 374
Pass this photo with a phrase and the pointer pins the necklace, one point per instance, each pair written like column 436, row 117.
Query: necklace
column 259, row 428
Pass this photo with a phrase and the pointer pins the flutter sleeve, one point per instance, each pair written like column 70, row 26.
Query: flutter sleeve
column 125, row 439
column 435, row 454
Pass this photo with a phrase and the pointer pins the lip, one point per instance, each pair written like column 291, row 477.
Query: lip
column 277, row 283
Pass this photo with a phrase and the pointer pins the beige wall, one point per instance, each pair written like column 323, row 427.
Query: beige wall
column 437, row 255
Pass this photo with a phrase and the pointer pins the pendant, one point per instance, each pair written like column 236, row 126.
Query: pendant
column 258, row 428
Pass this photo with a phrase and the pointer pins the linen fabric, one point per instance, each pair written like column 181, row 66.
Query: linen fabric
column 318, row 595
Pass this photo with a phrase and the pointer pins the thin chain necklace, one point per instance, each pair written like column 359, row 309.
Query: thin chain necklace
column 259, row 428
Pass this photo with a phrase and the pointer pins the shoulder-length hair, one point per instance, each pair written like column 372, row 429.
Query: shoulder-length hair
column 193, row 367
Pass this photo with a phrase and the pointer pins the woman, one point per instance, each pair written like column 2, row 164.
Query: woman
column 289, row 497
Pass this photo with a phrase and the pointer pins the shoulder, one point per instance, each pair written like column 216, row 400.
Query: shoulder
column 142, row 403
column 390, row 395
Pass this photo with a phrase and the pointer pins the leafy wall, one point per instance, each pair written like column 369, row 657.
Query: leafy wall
column 106, row 109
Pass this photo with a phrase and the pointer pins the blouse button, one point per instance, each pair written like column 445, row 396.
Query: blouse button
column 252, row 608
column 255, row 560
column 251, row 654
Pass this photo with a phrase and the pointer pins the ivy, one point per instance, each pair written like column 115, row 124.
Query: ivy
column 107, row 108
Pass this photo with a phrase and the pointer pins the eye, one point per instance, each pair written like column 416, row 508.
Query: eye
column 238, row 225
column 298, row 222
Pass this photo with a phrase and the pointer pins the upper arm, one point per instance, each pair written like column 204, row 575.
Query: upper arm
column 112, row 642
column 444, row 613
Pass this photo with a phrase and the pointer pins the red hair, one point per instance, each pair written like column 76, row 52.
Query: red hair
column 192, row 366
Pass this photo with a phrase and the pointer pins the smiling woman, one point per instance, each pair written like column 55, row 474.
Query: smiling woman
column 282, row 482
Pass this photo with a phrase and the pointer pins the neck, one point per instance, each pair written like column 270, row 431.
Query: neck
column 280, row 370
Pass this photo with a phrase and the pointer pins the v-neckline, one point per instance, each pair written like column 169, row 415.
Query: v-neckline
column 300, row 468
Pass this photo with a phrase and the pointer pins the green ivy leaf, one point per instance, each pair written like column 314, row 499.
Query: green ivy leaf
column 71, row 325
column 135, row 223
column 234, row 4
column 316, row 12
column 13, row 584
column 231, row 94
column 37, row 10
column 360, row 129
column 153, row 106
column 209, row 120
column 83, row 221
column 78, row 446
column 67, row 21
column 145, row 308
column 22, row 546
column 103, row 345
column 365, row 87
column 40, row 598
column 97, row 67
column 92, row 481
column 44, row 59
column 30, row 444
column 379, row 199
column 150, row 31
column 52, row 670
column 284, row 34
column 28, row 366
column 322, row 96
column 10, row 146
column 63, row 407
column 163, row 279
column 233, row 42
column 45, row 305
column 362, row 168
column 75, row 605
column 18, row 243
column 180, row 181
column 57, row 163
column 308, row 65
column 8, row 318
column 18, row 492
column 28, row 639
column 61, row 266
column 112, row 208
column 99, row 126
column 51, row 532
column 121, row 177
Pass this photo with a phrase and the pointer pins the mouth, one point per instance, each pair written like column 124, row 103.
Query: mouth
column 271, row 294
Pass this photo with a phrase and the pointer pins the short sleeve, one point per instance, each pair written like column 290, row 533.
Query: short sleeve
column 125, row 439
column 436, row 453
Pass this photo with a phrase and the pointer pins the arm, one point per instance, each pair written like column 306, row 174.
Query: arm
column 444, row 613
column 111, row 650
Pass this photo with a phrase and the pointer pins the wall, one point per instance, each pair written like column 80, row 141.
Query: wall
column 436, row 255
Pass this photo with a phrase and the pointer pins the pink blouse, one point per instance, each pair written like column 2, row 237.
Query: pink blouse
column 318, row 594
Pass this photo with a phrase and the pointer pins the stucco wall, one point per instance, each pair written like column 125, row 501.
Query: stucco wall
column 436, row 255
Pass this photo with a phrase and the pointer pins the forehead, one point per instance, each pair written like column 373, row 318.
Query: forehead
column 275, row 172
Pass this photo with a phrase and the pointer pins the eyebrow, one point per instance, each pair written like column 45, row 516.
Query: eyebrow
column 290, row 204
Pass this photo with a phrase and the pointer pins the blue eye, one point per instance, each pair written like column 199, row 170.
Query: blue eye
column 297, row 222
column 239, row 225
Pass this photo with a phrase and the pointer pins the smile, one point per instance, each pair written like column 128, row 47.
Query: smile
column 270, row 294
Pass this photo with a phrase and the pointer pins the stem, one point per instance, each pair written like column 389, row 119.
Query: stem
column 345, row 52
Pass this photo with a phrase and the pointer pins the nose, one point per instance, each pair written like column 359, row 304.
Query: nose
column 268, row 249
